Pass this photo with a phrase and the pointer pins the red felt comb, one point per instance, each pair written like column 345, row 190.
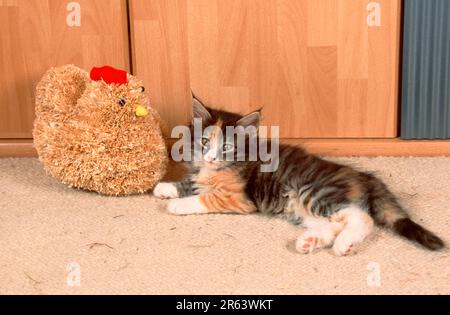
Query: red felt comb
column 109, row 75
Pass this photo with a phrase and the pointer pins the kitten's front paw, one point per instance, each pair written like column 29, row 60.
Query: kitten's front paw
column 165, row 191
column 184, row 206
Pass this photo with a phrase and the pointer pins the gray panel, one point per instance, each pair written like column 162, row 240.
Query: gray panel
column 425, row 108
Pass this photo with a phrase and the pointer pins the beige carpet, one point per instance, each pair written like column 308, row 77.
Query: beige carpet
column 131, row 245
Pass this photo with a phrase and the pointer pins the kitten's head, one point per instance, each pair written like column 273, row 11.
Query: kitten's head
column 216, row 143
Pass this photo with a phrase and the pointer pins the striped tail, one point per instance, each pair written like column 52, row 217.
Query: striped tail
column 387, row 212
column 416, row 233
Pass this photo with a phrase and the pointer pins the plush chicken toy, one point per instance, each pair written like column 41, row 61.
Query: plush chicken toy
column 97, row 131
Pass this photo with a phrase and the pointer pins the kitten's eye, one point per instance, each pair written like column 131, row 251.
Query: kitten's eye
column 122, row 102
column 227, row 147
column 205, row 141
column 142, row 89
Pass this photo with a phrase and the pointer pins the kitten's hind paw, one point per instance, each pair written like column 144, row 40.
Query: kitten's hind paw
column 306, row 244
column 343, row 245
column 165, row 191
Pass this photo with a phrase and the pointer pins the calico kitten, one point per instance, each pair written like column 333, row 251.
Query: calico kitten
column 336, row 204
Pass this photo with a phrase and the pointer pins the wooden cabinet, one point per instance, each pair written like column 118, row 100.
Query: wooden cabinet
column 38, row 34
column 318, row 67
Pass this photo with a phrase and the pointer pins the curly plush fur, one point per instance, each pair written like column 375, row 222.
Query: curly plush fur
column 87, row 134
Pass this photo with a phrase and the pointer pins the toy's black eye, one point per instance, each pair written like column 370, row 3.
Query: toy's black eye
column 142, row 89
column 122, row 102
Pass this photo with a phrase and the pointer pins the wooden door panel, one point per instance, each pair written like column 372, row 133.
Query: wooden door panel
column 35, row 36
column 160, row 55
column 315, row 66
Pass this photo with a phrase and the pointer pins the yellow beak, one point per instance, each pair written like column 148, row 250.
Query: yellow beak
column 140, row 111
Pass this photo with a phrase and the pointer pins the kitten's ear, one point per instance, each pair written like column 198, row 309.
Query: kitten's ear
column 199, row 110
column 252, row 119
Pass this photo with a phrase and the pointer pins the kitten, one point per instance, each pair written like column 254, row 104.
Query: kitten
column 336, row 204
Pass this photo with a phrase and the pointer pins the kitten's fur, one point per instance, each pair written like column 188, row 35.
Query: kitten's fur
column 336, row 204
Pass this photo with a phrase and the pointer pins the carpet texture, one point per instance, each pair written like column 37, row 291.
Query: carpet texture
column 130, row 245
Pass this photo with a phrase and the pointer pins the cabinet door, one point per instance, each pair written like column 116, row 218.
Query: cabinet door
column 320, row 68
column 38, row 34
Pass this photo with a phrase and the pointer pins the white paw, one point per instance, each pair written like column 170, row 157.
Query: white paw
column 165, row 191
column 306, row 243
column 343, row 245
column 184, row 206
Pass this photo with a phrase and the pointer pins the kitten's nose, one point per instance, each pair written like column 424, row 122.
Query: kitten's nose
column 210, row 157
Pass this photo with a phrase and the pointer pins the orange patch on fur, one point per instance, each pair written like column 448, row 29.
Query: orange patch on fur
column 219, row 123
column 354, row 192
column 214, row 134
column 390, row 214
column 224, row 192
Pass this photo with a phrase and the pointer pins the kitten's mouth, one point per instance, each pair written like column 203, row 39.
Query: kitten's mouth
column 211, row 163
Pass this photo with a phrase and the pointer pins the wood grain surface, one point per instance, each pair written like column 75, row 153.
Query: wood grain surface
column 315, row 66
column 35, row 36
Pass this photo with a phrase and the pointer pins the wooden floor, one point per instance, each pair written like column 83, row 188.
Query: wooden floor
column 331, row 147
